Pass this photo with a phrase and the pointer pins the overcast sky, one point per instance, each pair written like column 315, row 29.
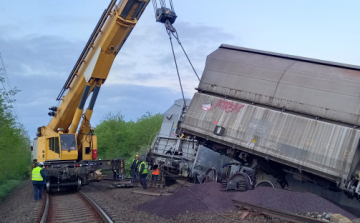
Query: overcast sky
column 40, row 42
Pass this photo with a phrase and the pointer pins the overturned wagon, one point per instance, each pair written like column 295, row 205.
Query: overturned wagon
column 291, row 115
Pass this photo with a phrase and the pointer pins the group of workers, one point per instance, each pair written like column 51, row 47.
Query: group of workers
column 139, row 169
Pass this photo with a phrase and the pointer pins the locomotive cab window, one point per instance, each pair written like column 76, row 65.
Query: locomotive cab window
column 68, row 142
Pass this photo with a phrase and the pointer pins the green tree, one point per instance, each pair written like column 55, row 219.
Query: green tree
column 120, row 139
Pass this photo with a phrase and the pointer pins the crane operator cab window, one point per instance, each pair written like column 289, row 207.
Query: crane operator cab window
column 54, row 144
column 68, row 142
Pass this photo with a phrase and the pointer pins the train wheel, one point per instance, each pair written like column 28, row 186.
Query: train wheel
column 265, row 183
column 211, row 175
column 224, row 183
column 48, row 188
column 242, row 180
column 78, row 186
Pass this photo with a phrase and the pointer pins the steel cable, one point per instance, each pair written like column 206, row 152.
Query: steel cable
column 177, row 69
column 177, row 38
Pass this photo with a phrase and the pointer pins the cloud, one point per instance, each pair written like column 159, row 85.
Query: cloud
column 39, row 55
column 143, row 76
column 38, row 66
column 10, row 30
column 200, row 33
column 145, row 64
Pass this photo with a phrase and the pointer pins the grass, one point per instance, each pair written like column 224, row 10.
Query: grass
column 7, row 186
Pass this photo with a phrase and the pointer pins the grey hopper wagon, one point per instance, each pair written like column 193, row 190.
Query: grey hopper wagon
column 318, row 88
column 302, row 113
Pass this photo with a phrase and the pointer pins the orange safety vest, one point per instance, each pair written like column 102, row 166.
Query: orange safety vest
column 155, row 172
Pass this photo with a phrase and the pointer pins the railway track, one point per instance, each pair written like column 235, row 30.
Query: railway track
column 74, row 207
column 276, row 213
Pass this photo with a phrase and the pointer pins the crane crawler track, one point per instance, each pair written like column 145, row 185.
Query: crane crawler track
column 74, row 207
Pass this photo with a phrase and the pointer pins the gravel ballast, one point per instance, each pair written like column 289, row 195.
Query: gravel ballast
column 206, row 197
column 125, row 206
column 290, row 201
column 19, row 205
column 215, row 200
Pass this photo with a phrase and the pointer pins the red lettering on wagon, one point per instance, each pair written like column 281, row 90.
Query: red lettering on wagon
column 228, row 106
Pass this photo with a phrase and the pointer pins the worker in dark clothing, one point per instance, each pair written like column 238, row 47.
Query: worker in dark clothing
column 134, row 167
column 143, row 173
column 115, row 164
column 38, row 180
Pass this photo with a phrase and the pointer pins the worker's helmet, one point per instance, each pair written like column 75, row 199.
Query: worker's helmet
column 137, row 156
column 41, row 164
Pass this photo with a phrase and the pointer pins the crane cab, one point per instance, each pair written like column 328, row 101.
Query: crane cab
column 63, row 146
column 56, row 147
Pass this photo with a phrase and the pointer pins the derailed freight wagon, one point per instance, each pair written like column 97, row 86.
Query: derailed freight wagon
column 289, row 117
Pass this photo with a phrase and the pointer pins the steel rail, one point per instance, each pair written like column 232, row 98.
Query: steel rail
column 45, row 211
column 98, row 209
column 104, row 217
column 276, row 213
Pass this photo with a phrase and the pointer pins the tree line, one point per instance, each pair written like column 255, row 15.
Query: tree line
column 123, row 140
column 14, row 149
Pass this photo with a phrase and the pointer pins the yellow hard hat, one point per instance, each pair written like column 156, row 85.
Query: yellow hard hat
column 136, row 155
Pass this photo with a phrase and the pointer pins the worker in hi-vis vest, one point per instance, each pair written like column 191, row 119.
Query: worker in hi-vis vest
column 143, row 173
column 38, row 180
column 155, row 174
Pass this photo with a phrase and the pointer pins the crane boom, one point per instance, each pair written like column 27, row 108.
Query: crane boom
column 62, row 140
column 94, row 64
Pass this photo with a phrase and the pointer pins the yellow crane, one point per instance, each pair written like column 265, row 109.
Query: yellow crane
column 69, row 150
